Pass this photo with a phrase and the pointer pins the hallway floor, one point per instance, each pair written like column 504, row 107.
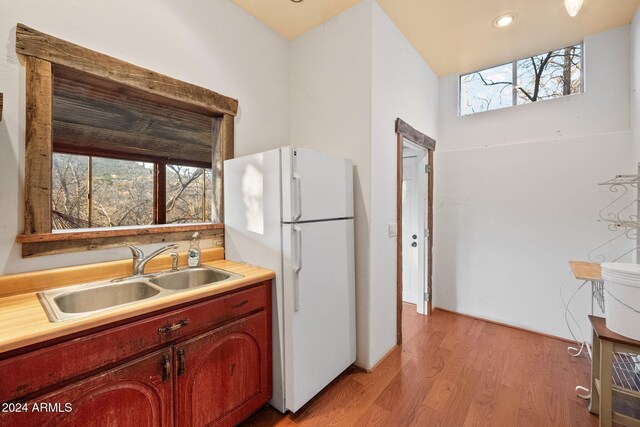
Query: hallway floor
column 454, row 371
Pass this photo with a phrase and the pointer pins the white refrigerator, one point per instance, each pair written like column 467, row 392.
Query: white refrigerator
column 291, row 210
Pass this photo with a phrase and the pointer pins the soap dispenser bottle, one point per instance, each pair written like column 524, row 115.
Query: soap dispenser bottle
column 193, row 256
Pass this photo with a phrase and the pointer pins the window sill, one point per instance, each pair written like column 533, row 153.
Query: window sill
column 75, row 241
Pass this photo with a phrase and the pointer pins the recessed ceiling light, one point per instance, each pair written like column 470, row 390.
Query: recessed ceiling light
column 573, row 7
column 504, row 20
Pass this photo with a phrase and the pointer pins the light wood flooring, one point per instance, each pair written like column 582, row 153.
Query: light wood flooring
column 454, row 371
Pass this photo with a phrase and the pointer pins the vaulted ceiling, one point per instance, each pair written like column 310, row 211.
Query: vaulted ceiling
column 458, row 35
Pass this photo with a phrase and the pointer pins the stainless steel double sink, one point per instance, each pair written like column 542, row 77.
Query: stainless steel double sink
column 72, row 302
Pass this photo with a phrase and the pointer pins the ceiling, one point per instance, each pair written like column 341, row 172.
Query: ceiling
column 457, row 36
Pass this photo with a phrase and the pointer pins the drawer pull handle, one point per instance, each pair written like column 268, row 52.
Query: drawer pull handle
column 166, row 367
column 173, row 327
column 181, row 363
column 244, row 302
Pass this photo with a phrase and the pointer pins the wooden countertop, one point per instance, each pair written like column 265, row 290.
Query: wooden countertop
column 24, row 322
column 586, row 270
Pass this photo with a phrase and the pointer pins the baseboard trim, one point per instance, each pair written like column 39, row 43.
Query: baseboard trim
column 519, row 328
column 378, row 363
column 359, row 368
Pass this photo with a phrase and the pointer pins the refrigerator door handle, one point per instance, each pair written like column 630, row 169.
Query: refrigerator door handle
column 297, row 196
column 297, row 266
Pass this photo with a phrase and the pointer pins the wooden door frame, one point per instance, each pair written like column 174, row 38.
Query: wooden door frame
column 406, row 131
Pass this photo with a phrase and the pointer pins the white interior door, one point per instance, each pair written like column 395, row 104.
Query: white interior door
column 414, row 205
column 319, row 292
column 410, row 258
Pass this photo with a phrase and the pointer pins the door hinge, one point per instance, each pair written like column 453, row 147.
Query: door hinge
column 426, row 296
column 426, row 232
column 427, row 168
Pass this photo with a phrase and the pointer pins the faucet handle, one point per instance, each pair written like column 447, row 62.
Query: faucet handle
column 175, row 257
column 136, row 252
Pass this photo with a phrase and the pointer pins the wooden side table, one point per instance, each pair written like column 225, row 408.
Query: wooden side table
column 606, row 345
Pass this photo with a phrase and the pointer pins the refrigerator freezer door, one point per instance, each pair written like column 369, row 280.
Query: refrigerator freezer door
column 319, row 306
column 315, row 186
column 253, row 234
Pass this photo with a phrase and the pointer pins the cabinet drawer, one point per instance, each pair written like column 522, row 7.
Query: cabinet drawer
column 27, row 373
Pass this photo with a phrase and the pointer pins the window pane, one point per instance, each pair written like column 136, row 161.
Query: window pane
column 208, row 185
column 486, row 90
column 188, row 197
column 69, row 189
column 550, row 75
column 122, row 193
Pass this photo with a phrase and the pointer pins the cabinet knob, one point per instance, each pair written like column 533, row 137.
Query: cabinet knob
column 414, row 244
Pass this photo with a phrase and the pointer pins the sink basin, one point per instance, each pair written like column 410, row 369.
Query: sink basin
column 192, row 278
column 104, row 297
column 84, row 300
column 81, row 300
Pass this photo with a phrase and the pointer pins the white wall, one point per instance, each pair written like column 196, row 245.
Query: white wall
column 517, row 196
column 214, row 44
column 516, row 193
column 331, row 113
column 635, row 87
column 403, row 86
column 350, row 79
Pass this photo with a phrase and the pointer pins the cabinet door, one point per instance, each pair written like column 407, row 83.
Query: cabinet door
column 138, row 393
column 225, row 375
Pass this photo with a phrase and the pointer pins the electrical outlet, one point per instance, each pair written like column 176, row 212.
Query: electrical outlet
column 393, row 230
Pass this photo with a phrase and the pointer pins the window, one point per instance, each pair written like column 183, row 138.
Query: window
column 545, row 76
column 80, row 107
column 91, row 192
column 188, row 194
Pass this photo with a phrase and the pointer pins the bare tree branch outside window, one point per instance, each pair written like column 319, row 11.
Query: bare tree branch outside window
column 122, row 192
column 188, row 198
column 545, row 76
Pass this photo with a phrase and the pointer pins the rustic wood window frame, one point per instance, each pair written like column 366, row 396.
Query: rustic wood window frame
column 41, row 52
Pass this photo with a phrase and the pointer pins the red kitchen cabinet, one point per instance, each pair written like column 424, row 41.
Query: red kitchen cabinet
column 205, row 363
column 138, row 393
column 225, row 375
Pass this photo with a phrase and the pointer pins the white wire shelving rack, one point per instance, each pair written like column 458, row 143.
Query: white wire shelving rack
column 621, row 217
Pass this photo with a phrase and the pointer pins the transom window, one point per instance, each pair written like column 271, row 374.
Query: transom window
column 545, row 76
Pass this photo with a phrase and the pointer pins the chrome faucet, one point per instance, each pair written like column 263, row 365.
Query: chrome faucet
column 140, row 260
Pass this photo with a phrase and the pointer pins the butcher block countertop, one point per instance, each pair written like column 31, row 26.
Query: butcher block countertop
column 586, row 270
column 23, row 321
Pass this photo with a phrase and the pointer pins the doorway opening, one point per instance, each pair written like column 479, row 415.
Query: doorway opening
column 415, row 220
column 414, row 225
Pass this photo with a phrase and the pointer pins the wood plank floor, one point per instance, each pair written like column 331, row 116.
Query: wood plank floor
column 454, row 371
